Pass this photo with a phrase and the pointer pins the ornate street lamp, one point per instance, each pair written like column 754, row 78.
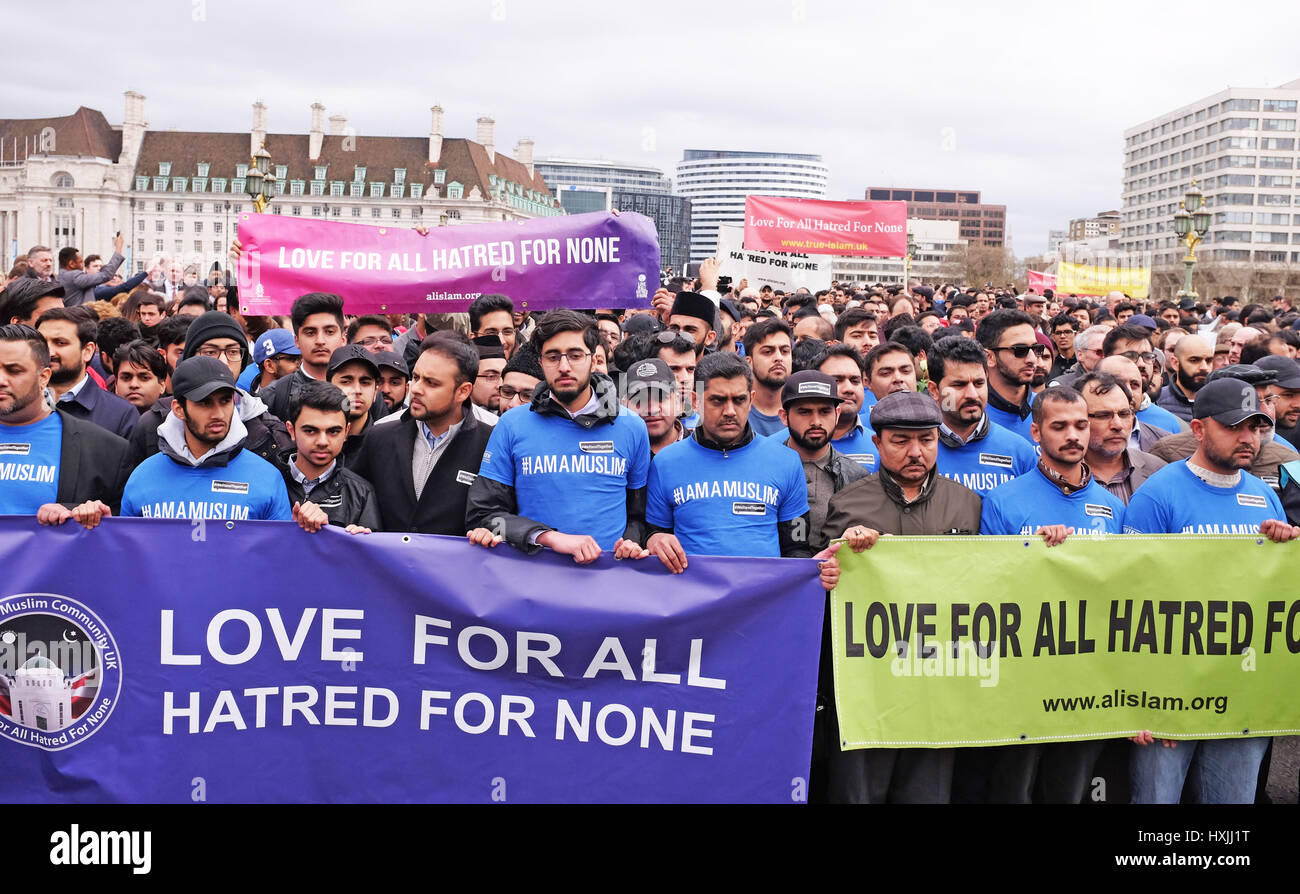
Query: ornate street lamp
column 907, row 261
column 1191, row 223
column 260, row 180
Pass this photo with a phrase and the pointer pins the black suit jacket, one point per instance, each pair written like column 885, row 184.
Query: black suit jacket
column 385, row 461
column 94, row 464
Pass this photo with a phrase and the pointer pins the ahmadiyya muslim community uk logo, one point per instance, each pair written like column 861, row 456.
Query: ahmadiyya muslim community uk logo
column 59, row 671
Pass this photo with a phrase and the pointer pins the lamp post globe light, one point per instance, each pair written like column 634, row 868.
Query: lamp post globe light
column 260, row 183
column 907, row 262
column 1191, row 223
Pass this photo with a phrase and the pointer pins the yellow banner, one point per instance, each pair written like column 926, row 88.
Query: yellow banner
column 1090, row 279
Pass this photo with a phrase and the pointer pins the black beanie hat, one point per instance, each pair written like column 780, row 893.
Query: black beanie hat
column 693, row 304
column 213, row 324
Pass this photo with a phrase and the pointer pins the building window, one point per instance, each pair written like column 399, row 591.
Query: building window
column 1273, row 161
column 455, row 190
column 139, row 245
column 160, row 184
column 395, row 191
column 216, row 247
column 1274, row 180
column 320, row 172
column 356, row 190
column 199, row 184
column 336, row 188
column 417, row 190
column 279, row 187
column 241, row 171
column 295, row 188
column 157, row 245
column 359, row 174
column 180, row 226
column 1279, row 124
column 356, row 211
column 216, row 226
column 141, row 183
column 296, row 211
column 440, row 176
column 318, row 187
column 336, row 211
column 198, row 246
column 139, row 225
column 180, row 246
column 1279, row 105
column 158, row 226
column 198, row 226
column 315, row 210
column 203, row 168
column 397, row 212
column 376, row 211
column 198, row 207
column 1241, row 105
column 417, row 213
column 376, row 190
column 282, row 172
column 237, row 185
column 219, row 184
column 164, row 168
column 399, row 175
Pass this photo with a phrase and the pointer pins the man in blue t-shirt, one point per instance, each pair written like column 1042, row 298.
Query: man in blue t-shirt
column 973, row 450
column 1209, row 493
column 569, row 473
column 769, row 346
column 1009, row 338
column 202, row 469
column 1055, row 500
column 725, row 491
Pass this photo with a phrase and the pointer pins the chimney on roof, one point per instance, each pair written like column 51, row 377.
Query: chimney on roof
column 133, row 127
column 317, row 135
column 338, row 125
column 258, row 135
column 486, row 138
column 435, row 135
column 524, row 154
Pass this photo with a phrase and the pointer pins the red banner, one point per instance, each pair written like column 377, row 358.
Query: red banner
column 859, row 229
column 1039, row 281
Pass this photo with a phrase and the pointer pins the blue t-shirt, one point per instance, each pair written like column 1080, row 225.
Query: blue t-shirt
column 1024, row 504
column 764, row 425
column 726, row 504
column 247, row 488
column 29, row 465
column 1011, row 422
column 1160, row 418
column 989, row 462
column 856, row 445
column 1175, row 501
column 568, row 477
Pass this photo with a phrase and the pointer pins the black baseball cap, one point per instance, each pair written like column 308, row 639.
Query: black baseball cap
column 651, row 374
column 348, row 354
column 391, row 360
column 809, row 383
column 1228, row 402
column 197, row 377
column 641, row 324
column 905, row 409
column 1286, row 369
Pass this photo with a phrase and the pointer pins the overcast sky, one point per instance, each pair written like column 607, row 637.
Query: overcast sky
column 1025, row 102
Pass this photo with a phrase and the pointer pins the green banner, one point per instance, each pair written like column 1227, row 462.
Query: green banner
column 953, row 641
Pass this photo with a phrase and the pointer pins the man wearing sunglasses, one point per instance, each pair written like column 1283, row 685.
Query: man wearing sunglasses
column 1009, row 340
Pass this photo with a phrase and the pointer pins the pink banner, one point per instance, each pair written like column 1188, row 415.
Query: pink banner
column 858, row 229
column 1039, row 281
column 598, row 260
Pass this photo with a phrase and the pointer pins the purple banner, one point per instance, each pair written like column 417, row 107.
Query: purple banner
column 598, row 260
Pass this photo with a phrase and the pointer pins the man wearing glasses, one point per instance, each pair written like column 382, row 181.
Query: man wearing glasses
column 570, row 473
column 1134, row 343
column 1115, row 465
column 372, row 332
column 1008, row 339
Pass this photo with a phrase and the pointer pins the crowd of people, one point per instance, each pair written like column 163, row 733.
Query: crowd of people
column 719, row 420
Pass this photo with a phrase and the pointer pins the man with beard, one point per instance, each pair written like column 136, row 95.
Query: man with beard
column 570, row 472
column 768, row 348
column 812, row 407
column 140, row 375
column 422, row 463
column 1115, row 465
column 907, row 496
column 652, row 393
column 687, row 512
column 522, row 375
column 1209, row 493
column 26, row 298
column 202, row 469
column 847, row 369
column 1286, row 396
column 695, row 315
column 70, row 333
column 1192, row 361
column 1134, row 343
column 1058, row 499
column 275, row 355
column 353, row 371
column 487, row 387
column 494, row 315
column 55, row 466
column 1008, row 337
column 394, row 379
column 973, row 451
